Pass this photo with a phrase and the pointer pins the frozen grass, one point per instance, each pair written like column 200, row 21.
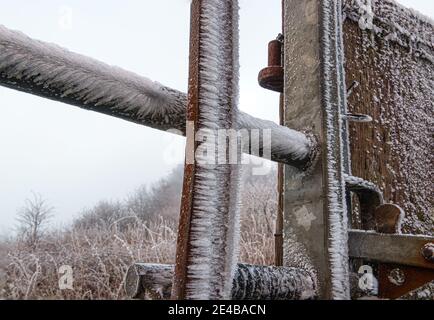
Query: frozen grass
column 100, row 253
column 100, row 257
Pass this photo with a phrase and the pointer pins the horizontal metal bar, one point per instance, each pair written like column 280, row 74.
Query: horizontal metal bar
column 389, row 248
column 51, row 72
column 250, row 282
column 359, row 185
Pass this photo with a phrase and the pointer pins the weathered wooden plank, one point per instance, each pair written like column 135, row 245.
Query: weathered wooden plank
column 389, row 53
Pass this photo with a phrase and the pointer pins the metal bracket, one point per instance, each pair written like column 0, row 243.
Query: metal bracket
column 405, row 262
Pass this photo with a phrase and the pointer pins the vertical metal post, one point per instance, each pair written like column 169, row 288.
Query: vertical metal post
column 278, row 241
column 207, row 240
column 183, row 248
column 315, row 206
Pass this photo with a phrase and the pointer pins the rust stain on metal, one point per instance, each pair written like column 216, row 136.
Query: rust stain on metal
column 278, row 240
column 414, row 278
column 376, row 147
column 182, row 249
column 394, row 150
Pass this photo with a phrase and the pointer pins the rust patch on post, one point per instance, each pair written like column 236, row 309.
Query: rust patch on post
column 278, row 240
column 180, row 277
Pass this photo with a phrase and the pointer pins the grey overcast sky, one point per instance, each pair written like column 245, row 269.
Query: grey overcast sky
column 75, row 158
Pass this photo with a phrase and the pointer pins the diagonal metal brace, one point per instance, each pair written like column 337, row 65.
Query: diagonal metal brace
column 404, row 261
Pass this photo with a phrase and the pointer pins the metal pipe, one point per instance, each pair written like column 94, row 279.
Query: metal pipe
column 250, row 282
column 51, row 72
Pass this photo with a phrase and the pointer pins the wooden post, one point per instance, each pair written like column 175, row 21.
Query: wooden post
column 394, row 77
column 390, row 56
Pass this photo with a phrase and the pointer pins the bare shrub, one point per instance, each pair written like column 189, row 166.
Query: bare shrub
column 33, row 219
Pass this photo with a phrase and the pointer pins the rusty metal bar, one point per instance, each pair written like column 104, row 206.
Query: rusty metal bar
column 208, row 238
column 183, row 248
column 250, row 282
column 51, row 72
column 396, row 281
column 389, row 248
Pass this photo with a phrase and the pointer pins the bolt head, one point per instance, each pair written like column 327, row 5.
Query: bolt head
column 396, row 277
column 427, row 252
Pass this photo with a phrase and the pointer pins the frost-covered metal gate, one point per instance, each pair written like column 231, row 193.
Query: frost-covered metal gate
column 349, row 66
column 344, row 73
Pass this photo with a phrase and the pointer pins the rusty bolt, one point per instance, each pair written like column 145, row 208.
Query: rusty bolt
column 396, row 277
column 272, row 76
column 428, row 252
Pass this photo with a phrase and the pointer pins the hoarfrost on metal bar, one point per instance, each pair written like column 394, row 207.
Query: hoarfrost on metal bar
column 50, row 71
column 214, row 224
column 250, row 282
column 333, row 81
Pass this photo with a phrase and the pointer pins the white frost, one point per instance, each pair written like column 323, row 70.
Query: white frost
column 334, row 100
column 366, row 12
column 214, row 228
column 51, row 71
column 85, row 80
